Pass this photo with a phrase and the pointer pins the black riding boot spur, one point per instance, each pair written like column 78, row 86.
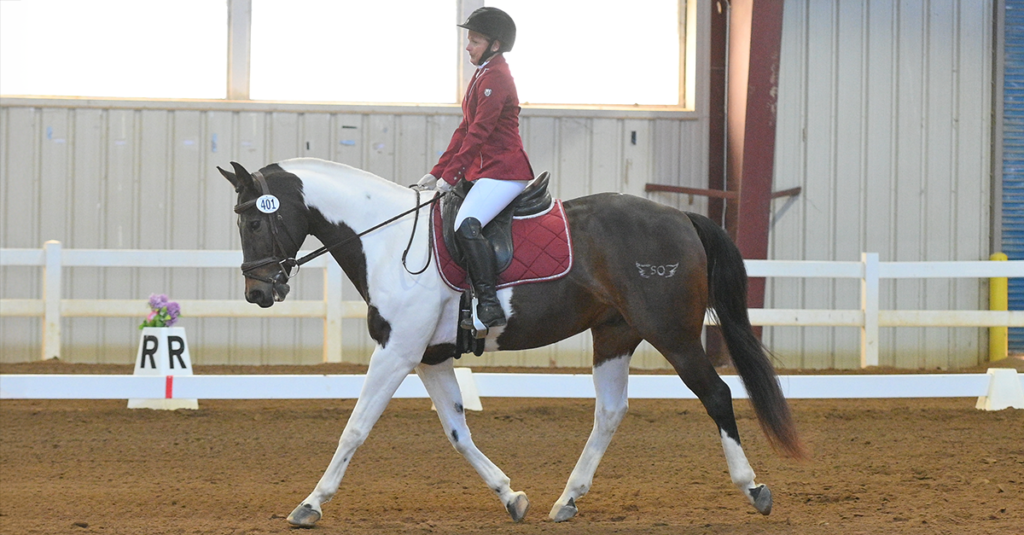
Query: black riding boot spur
column 483, row 271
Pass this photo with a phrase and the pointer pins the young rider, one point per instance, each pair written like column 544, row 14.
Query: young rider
column 486, row 149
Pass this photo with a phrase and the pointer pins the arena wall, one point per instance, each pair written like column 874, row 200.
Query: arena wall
column 884, row 120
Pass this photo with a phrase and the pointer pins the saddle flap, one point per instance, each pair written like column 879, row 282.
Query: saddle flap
column 534, row 200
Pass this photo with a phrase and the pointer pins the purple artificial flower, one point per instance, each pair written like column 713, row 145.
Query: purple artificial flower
column 157, row 301
column 173, row 310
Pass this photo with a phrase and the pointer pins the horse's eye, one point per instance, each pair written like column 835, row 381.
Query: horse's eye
column 254, row 225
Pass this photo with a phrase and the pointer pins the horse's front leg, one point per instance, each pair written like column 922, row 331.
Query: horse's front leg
column 443, row 388
column 386, row 372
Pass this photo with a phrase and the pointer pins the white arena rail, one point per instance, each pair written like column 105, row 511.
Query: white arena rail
column 996, row 390
column 52, row 258
column 332, row 309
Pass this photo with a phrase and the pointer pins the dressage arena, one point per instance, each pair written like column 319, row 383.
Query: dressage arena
column 238, row 467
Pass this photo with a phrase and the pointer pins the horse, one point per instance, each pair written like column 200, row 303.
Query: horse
column 413, row 316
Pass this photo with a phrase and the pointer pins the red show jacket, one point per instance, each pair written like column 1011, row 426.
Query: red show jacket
column 487, row 144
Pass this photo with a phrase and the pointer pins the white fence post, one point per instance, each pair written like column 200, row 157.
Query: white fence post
column 333, row 279
column 51, row 300
column 869, row 288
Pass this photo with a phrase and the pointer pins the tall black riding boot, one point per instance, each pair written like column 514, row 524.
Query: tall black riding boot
column 483, row 271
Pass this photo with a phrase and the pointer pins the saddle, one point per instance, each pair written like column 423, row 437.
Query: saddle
column 535, row 199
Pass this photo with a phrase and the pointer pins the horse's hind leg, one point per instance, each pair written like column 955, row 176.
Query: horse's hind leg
column 696, row 371
column 613, row 346
column 443, row 388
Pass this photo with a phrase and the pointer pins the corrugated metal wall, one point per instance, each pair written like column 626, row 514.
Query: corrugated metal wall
column 884, row 120
column 143, row 175
column 1013, row 157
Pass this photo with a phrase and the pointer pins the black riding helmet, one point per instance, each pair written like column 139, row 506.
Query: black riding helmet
column 496, row 25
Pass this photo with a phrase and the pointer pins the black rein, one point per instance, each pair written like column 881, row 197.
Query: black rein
column 286, row 264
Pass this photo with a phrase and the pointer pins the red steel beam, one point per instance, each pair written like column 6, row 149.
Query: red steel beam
column 755, row 32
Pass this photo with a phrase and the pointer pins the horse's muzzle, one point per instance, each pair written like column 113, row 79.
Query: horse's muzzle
column 264, row 294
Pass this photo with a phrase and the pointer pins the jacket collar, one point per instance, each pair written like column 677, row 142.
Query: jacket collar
column 497, row 60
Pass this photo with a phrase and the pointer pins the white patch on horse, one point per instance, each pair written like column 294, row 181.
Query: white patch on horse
column 611, row 380
column 505, row 298
column 400, row 297
column 740, row 472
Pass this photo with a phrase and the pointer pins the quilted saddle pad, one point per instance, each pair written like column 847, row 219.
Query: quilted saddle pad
column 542, row 250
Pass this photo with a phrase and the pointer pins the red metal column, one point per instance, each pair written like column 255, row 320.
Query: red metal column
column 716, row 107
column 755, row 37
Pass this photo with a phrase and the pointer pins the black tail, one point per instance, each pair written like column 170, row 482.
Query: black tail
column 727, row 294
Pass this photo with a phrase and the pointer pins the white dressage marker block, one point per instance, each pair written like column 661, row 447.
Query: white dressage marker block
column 163, row 351
column 470, row 393
column 1004, row 391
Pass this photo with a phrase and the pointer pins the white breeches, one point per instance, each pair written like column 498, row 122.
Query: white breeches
column 488, row 198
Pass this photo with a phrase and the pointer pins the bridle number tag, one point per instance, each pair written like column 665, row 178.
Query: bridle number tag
column 267, row 204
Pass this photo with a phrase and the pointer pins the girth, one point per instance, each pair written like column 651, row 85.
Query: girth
column 533, row 200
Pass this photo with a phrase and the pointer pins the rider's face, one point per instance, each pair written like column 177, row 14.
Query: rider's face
column 476, row 45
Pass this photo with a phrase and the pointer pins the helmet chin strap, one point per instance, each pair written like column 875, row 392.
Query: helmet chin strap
column 488, row 54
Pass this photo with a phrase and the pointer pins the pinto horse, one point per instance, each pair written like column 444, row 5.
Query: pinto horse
column 413, row 317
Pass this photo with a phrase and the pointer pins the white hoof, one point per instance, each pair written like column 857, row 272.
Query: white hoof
column 561, row 513
column 518, row 506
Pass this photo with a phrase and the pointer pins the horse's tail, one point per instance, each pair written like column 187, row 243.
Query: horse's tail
column 727, row 294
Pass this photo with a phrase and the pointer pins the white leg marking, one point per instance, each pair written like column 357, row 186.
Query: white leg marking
column 385, row 374
column 740, row 472
column 612, row 402
column 443, row 388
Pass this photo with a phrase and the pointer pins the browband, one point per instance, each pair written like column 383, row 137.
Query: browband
column 264, row 190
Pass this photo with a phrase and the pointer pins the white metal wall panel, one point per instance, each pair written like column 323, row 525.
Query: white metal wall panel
column 884, row 120
column 143, row 175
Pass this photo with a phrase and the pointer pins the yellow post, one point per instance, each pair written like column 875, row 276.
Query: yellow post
column 998, row 299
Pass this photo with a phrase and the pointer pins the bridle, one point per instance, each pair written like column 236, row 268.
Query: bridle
column 288, row 266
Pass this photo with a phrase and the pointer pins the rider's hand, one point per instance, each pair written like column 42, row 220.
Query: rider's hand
column 427, row 182
column 443, row 186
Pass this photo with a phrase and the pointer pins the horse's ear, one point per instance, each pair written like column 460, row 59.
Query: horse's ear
column 230, row 176
column 240, row 179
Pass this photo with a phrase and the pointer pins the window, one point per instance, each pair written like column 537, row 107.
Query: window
column 113, row 48
column 567, row 52
column 353, row 51
column 581, row 52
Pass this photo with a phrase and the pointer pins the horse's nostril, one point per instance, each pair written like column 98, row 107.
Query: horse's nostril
column 254, row 296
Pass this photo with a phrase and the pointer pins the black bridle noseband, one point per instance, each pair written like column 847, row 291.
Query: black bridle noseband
column 272, row 217
column 288, row 266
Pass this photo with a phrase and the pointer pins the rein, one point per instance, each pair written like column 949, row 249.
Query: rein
column 297, row 263
column 288, row 263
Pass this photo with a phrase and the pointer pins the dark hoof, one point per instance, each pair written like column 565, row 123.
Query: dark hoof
column 561, row 513
column 762, row 498
column 518, row 506
column 304, row 516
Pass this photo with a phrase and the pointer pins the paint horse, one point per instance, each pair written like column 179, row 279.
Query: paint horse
column 413, row 317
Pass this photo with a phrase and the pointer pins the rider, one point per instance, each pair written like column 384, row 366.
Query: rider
column 486, row 149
